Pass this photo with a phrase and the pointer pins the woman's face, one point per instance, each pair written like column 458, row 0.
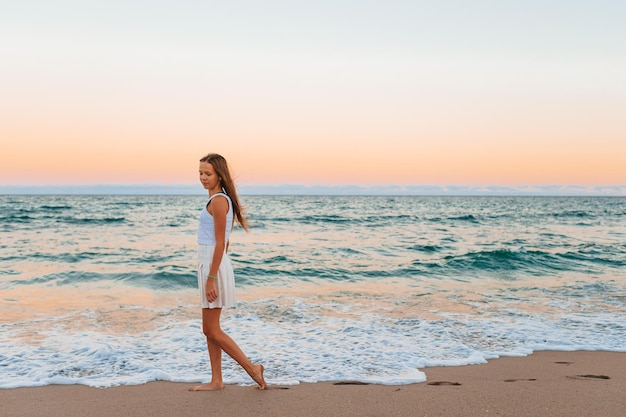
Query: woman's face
column 208, row 177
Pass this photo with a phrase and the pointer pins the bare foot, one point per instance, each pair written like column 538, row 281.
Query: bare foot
column 258, row 377
column 208, row 387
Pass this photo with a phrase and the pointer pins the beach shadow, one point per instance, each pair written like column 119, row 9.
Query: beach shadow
column 564, row 363
column 443, row 383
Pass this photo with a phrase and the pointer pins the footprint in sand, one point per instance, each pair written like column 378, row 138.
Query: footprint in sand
column 350, row 383
column 589, row 377
column 442, row 383
column 516, row 380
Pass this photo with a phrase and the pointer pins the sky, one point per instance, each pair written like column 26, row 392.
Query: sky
column 343, row 92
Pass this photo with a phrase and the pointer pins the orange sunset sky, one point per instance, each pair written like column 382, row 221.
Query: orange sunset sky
column 327, row 92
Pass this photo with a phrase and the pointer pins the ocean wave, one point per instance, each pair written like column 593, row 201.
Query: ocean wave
column 427, row 248
column 156, row 280
column 593, row 255
column 574, row 213
column 508, row 263
column 11, row 219
column 91, row 220
column 43, row 219
column 46, row 207
column 465, row 218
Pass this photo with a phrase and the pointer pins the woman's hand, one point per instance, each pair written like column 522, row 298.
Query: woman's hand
column 211, row 290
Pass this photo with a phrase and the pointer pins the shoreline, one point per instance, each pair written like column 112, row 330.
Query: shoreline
column 545, row 383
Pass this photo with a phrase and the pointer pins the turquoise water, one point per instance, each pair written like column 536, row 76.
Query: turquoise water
column 100, row 290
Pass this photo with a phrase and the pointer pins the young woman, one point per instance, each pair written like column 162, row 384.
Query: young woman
column 216, row 279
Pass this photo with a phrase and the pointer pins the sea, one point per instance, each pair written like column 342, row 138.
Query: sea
column 101, row 290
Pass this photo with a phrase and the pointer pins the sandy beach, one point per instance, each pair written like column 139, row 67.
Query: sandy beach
column 543, row 384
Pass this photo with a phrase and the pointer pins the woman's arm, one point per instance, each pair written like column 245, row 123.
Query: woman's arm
column 218, row 209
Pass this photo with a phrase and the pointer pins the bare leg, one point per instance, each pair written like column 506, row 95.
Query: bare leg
column 215, row 355
column 216, row 336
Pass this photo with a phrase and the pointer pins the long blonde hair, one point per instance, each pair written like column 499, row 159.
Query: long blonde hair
column 226, row 181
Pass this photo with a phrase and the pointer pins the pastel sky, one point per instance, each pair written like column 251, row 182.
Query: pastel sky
column 489, row 92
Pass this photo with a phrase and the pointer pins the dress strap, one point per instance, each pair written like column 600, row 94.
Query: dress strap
column 216, row 194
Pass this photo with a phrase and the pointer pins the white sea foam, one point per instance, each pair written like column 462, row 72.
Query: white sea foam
column 301, row 343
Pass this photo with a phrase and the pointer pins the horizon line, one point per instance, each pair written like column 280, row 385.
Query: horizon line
column 321, row 189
